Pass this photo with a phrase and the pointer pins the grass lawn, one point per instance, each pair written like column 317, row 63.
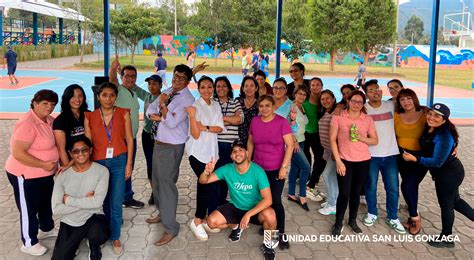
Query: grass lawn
column 447, row 77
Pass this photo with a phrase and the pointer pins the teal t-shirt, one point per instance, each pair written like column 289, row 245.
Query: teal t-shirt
column 244, row 189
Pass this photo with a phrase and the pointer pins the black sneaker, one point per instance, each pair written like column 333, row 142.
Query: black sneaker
column 353, row 225
column 235, row 234
column 134, row 204
column 336, row 230
column 95, row 253
column 283, row 244
column 151, row 201
column 268, row 253
column 438, row 243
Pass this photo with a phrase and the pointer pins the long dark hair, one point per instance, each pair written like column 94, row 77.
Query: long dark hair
column 66, row 97
column 230, row 94
column 330, row 93
column 454, row 131
column 242, row 93
column 189, row 54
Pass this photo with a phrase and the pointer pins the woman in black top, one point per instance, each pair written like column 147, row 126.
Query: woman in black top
column 70, row 123
column 438, row 142
column 297, row 74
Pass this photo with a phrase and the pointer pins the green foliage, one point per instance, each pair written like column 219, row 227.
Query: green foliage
column 41, row 52
column 299, row 46
column 414, row 29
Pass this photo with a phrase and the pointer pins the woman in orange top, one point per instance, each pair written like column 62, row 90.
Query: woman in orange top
column 30, row 169
column 110, row 130
column 410, row 119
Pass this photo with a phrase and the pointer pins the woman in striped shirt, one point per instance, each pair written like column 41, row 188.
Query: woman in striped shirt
column 233, row 117
column 328, row 101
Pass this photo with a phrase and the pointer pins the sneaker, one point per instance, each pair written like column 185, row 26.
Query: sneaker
column 328, row 210
column 52, row 233
column 134, row 204
column 337, row 230
column 95, row 252
column 396, row 225
column 210, row 230
column 438, row 243
column 323, row 205
column 198, row 231
column 35, row 250
column 268, row 253
column 283, row 244
column 362, row 200
column 353, row 225
column 370, row 220
column 235, row 234
column 314, row 195
column 151, row 200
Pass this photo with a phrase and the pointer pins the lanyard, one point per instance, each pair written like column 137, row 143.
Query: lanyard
column 224, row 111
column 108, row 131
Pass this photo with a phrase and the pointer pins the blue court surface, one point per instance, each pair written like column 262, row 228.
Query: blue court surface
column 18, row 100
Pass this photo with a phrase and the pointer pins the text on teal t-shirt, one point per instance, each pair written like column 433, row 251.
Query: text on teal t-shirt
column 244, row 189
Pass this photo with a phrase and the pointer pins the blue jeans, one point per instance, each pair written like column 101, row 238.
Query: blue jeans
column 128, row 195
column 330, row 178
column 388, row 167
column 113, row 200
column 299, row 166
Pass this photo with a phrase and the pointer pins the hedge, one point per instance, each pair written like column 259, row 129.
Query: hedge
column 42, row 52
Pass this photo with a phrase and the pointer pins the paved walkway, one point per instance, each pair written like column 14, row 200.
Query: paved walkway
column 138, row 237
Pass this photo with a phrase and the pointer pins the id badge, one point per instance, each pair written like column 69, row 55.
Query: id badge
column 109, row 153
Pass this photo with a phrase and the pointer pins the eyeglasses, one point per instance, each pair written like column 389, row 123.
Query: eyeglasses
column 279, row 88
column 291, row 71
column 355, row 102
column 78, row 151
column 180, row 77
column 130, row 76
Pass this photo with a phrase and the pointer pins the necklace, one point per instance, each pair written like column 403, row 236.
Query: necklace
column 249, row 104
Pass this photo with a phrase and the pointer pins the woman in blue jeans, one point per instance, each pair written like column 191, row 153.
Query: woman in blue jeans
column 110, row 130
column 299, row 164
column 328, row 101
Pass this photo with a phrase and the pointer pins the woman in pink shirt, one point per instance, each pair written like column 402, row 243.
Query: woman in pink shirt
column 30, row 169
column 271, row 144
column 350, row 135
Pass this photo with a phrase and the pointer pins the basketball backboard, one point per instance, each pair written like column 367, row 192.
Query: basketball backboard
column 457, row 24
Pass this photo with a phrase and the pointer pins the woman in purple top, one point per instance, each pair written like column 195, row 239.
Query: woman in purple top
column 271, row 144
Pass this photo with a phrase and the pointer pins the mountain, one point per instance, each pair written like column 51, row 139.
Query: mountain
column 423, row 9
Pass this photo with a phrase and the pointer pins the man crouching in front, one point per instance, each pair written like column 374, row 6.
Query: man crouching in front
column 250, row 196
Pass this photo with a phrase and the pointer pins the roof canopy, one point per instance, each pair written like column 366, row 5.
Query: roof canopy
column 43, row 8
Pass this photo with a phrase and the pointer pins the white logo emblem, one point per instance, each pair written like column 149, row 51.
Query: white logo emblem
column 437, row 106
column 270, row 238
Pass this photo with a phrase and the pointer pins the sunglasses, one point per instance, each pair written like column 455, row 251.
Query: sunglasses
column 78, row 151
column 291, row 71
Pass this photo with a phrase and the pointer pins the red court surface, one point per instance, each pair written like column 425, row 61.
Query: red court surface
column 24, row 82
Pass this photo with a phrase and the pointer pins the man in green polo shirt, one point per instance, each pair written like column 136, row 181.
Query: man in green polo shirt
column 250, row 197
column 127, row 98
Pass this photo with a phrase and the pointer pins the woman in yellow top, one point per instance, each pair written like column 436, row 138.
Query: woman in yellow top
column 410, row 119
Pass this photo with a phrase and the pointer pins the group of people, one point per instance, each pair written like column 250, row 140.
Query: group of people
column 243, row 148
column 253, row 61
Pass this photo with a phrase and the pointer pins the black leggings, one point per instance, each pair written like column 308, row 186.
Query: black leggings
column 412, row 174
column 350, row 186
column 276, row 187
column 205, row 192
column 447, row 181
column 313, row 142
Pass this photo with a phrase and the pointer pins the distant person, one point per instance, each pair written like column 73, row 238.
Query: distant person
column 9, row 59
column 263, row 65
column 245, row 63
column 191, row 59
column 361, row 74
column 52, row 40
column 160, row 68
column 255, row 65
column 78, row 196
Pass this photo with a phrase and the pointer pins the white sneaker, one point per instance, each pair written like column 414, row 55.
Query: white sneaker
column 362, row 200
column 323, row 205
column 210, row 230
column 52, row 233
column 35, row 250
column 198, row 231
column 331, row 210
column 370, row 220
column 314, row 195
column 396, row 225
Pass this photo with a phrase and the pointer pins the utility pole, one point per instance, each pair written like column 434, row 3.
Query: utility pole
column 394, row 59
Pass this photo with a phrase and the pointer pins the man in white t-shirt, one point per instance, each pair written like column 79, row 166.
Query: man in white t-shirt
column 384, row 158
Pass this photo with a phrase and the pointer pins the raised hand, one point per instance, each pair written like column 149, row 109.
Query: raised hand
column 200, row 67
column 210, row 166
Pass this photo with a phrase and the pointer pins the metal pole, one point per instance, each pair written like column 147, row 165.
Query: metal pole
column 106, row 37
column 1, row 26
column 433, row 45
column 175, row 19
column 61, row 28
column 278, row 38
column 35, row 29
column 394, row 59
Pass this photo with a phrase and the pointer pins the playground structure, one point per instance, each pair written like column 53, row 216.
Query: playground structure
column 26, row 31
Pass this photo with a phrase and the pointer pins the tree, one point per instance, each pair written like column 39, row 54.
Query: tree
column 133, row 24
column 414, row 29
column 298, row 46
column 328, row 23
column 375, row 26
